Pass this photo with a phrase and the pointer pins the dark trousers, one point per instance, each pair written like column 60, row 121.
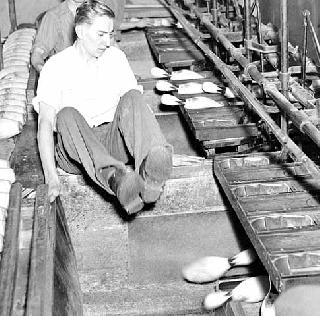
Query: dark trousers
column 132, row 133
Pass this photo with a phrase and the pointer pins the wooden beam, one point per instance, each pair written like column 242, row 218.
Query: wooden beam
column 40, row 288
column 12, row 15
column 10, row 251
column 54, row 287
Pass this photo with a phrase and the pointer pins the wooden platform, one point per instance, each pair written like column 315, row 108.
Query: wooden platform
column 228, row 127
column 278, row 206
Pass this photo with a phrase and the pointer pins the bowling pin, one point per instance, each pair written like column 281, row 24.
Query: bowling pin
column 251, row 290
column 211, row 268
column 193, row 103
column 183, row 74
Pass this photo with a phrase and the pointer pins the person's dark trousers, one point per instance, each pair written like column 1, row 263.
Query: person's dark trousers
column 132, row 133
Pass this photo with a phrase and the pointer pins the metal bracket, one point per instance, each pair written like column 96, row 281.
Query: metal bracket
column 261, row 48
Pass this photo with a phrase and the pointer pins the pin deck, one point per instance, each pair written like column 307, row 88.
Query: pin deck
column 278, row 206
column 172, row 47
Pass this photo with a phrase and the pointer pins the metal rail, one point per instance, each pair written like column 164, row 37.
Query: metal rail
column 284, row 75
column 299, row 119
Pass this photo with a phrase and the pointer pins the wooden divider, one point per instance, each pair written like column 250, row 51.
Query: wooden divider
column 10, row 252
column 54, row 288
column 38, row 271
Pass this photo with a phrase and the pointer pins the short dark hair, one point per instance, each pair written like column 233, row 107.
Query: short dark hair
column 89, row 9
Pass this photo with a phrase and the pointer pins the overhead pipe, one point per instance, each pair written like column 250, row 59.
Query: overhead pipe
column 239, row 87
column 299, row 118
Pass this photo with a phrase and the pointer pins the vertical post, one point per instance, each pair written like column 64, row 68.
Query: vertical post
column 1, row 53
column 259, row 32
column 237, row 9
column 247, row 26
column 304, row 49
column 208, row 6
column 316, row 86
column 227, row 9
column 318, row 111
column 214, row 11
column 284, row 76
column 12, row 15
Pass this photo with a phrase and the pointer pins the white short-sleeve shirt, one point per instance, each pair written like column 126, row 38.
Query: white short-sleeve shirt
column 94, row 89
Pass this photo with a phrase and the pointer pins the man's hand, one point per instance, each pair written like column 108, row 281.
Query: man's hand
column 37, row 59
column 54, row 188
column 46, row 148
column 37, row 62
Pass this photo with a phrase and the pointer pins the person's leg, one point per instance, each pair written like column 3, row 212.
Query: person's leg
column 135, row 131
column 78, row 145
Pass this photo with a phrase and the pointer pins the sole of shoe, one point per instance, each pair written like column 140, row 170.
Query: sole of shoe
column 155, row 171
column 128, row 193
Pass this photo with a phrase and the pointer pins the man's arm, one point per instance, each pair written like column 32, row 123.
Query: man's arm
column 45, row 41
column 46, row 121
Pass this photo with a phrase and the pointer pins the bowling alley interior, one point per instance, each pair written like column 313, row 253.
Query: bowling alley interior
column 159, row 157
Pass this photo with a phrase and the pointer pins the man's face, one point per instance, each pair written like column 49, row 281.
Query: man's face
column 97, row 37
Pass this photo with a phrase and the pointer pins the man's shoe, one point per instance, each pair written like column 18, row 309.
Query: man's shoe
column 127, row 185
column 155, row 170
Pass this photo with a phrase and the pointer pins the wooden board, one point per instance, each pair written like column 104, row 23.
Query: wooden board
column 40, row 287
column 54, row 288
column 26, row 159
column 219, row 127
column 219, row 123
column 10, row 252
column 172, row 47
column 278, row 205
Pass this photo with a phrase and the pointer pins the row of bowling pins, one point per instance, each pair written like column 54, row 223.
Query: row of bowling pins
column 188, row 88
column 212, row 268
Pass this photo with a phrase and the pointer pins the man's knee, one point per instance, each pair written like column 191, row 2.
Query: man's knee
column 133, row 93
column 131, row 98
column 67, row 113
column 132, row 101
column 66, row 117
